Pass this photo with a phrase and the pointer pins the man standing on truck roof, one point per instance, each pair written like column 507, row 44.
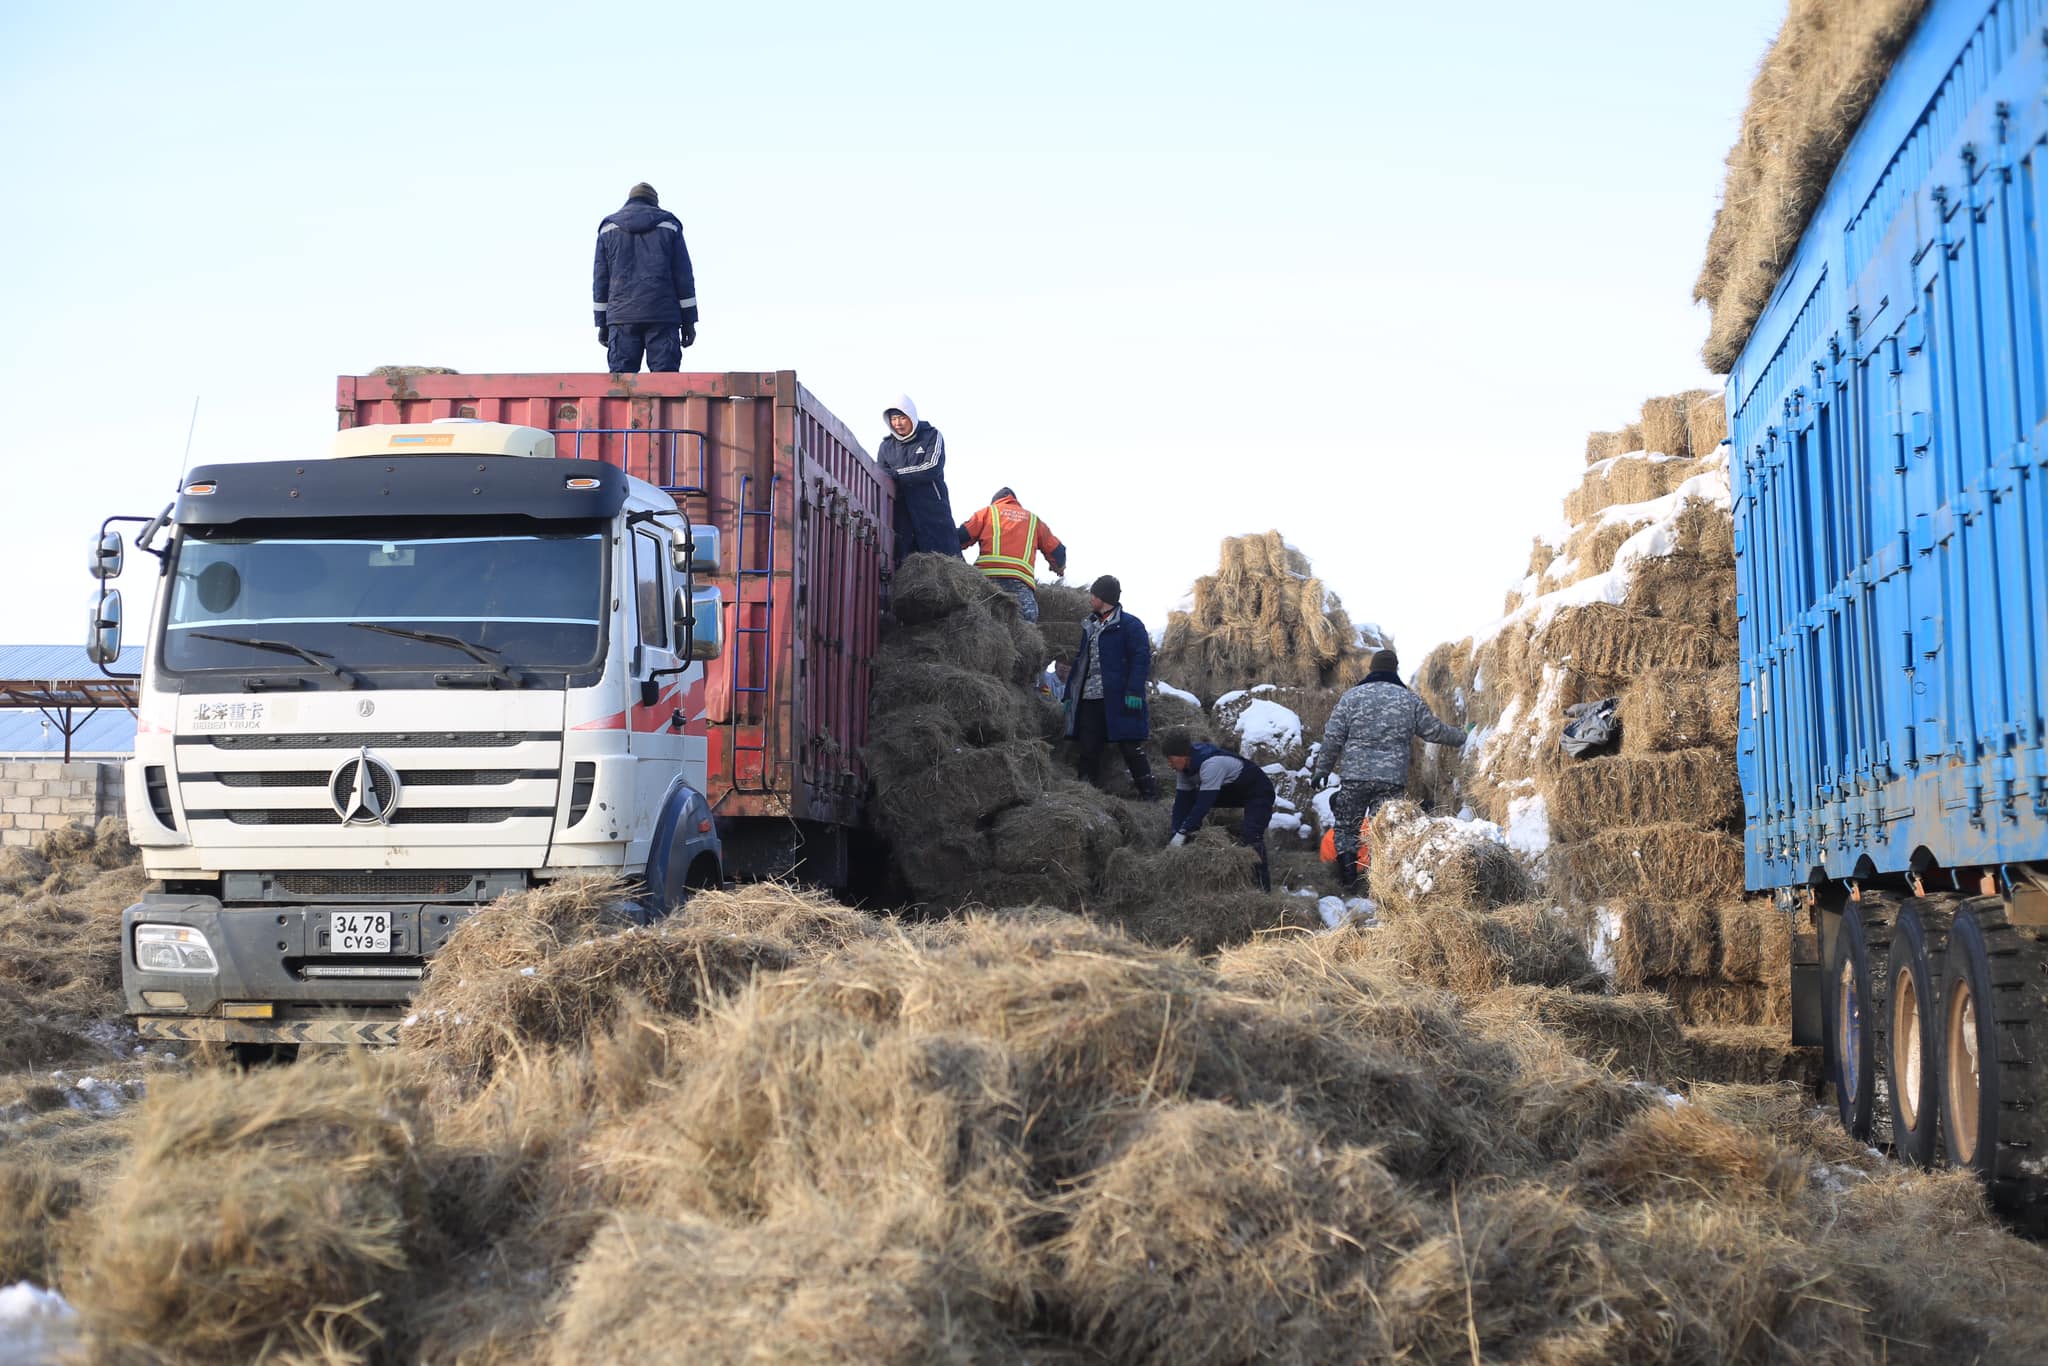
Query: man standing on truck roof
column 915, row 453
column 1106, row 688
column 1206, row 777
column 1366, row 742
column 1009, row 536
column 642, row 287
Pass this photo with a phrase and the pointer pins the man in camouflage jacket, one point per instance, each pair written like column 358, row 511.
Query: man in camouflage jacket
column 1366, row 743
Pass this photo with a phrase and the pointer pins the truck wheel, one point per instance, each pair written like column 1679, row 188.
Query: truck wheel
column 1994, row 1077
column 1855, row 1004
column 1914, row 965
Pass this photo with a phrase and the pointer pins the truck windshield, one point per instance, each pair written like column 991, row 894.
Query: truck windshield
column 518, row 601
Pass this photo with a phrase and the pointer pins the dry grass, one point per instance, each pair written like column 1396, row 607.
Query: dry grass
column 1672, row 862
column 1667, row 710
column 1604, row 641
column 1691, row 787
column 1627, row 479
column 1814, row 85
column 1635, row 1035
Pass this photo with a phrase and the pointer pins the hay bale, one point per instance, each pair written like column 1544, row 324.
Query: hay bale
column 111, row 847
column 1433, row 862
column 21, row 868
column 1652, row 861
column 1691, row 787
column 1688, row 588
column 1712, row 1001
column 1627, row 480
column 1263, row 617
column 286, row 1212
column 1608, row 642
column 1064, row 839
column 1201, row 895
column 1706, row 421
column 1655, row 940
column 1665, row 429
column 1812, row 89
column 410, row 371
column 1755, row 939
column 68, row 843
column 1208, row 1237
column 810, row 922
column 1668, row 709
column 1062, row 611
column 929, row 588
column 1683, row 1153
column 977, row 642
column 1633, row 1035
column 984, row 708
column 1471, row 953
column 1590, row 550
column 1748, row 1054
column 836, row 1285
column 1604, row 446
column 962, row 791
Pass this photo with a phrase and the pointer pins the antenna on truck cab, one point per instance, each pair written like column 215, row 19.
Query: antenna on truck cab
column 185, row 464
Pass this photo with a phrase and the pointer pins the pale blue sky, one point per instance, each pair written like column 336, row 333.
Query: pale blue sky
column 1364, row 273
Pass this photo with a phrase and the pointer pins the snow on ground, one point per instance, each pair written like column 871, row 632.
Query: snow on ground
column 1337, row 912
column 1528, row 831
column 1283, row 821
column 1325, row 818
column 1170, row 691
column 1444, row 836
column 1264, row 725
column 36, row 1325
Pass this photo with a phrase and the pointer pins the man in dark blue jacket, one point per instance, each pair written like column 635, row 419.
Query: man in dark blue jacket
column 1106, row 688
column 915, row 453
column 1207, row 777
column 642, row 287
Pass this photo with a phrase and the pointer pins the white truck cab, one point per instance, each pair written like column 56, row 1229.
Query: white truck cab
column 382, row 689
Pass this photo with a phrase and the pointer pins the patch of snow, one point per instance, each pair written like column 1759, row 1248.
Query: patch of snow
column 1528, row 830
column 1283, row 820
column 1337, row 911
column 1606, row 933
column 1672, row 1100
column 1268, row 726
column 1170, row 691
column 1325, row 818
column 1230, row 697
column 1308, row 892
column 526, row 972
column 36, row 1325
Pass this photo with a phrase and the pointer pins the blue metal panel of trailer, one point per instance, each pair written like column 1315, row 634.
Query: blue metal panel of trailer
column 1888, row 451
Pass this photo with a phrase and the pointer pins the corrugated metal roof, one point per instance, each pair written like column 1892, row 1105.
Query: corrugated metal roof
column 45, row 662
column 109, row 731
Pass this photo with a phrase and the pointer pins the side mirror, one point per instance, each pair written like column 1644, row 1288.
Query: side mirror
column 696, row 552
column 107, row 556
column 701, row 622
column 103, row 633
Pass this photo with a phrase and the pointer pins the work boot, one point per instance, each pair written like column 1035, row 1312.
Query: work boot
column 1347, row 869
column 1142, row 779
column 1264, row 876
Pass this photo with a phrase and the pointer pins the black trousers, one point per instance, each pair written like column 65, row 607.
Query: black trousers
column 1091, row 733
column 661, row 343
column 1251, row 831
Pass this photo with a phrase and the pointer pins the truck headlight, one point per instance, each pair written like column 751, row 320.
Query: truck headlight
column 173, row 948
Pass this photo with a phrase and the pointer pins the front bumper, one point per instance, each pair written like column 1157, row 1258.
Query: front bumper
column 279, row 954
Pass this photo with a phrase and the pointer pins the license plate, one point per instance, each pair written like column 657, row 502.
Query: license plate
column 359, row 931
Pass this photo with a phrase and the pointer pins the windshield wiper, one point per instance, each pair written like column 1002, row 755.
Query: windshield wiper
column 284, row 647
column 485, row 655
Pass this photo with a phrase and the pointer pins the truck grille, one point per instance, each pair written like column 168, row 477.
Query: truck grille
column 421, row 777
column 375, row 740
column 422, row 815
column 380, row 882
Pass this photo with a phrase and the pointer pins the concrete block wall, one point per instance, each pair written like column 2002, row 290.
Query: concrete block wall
column 45, row 794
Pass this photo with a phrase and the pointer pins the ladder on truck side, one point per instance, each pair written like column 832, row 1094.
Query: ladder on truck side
column 750, row 679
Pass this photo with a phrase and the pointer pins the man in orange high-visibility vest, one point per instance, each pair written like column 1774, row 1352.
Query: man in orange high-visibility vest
column 1009, row 535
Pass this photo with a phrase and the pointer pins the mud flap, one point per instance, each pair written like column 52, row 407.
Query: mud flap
column 1809, row 992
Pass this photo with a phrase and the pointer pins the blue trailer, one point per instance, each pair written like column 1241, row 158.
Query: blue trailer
column 1888, row 418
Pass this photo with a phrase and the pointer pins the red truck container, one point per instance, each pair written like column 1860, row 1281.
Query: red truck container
column 804, row 517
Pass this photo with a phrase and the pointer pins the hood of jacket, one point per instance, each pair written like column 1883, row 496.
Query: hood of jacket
column 904, row 406
column 639, row 216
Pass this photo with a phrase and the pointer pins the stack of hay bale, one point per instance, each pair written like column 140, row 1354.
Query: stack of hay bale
column 1263, row 617
column 961, row 751
column 1634, row 599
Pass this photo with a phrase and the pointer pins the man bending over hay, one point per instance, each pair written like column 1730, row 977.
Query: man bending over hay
column 1207, row 777
column 1106, row 688
column 1366, row 742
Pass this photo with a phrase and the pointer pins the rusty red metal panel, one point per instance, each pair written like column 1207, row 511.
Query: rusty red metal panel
column 800, row 507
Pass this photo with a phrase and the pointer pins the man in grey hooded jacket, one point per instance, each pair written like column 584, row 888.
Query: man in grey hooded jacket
column 1366, row 743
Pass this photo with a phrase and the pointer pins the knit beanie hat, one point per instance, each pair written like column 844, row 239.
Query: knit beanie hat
column 1108, row 589
column 1385, row 662
column 644, row 191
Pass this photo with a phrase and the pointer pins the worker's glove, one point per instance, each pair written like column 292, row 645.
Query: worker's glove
column 690, row 334
column 1134, row 702
column 1177, row 841
column 602, row 338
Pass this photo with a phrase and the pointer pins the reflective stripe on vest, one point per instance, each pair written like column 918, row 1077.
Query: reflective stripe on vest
column 994, row 563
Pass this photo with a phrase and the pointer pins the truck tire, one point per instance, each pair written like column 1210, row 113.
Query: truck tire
column 1994, row 1103
column 1911, row 1029
column 1855, row 1002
